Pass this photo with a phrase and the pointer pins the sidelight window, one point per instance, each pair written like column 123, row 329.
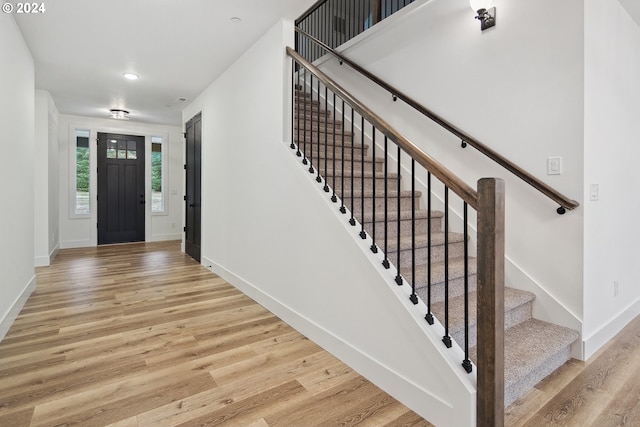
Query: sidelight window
column 157, row 175
column 82, row 205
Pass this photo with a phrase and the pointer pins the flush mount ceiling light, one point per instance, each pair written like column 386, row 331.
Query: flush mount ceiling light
column 131, row 76
column 236, row 20
column 119, row 114
column 485, row 11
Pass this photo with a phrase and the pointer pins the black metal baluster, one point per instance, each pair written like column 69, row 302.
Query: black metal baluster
column 413, row 297
column 429, row 316
column 293, row 103
column 304, row 120
column 299, row 94
column 326, row 132
column 363, row 235
column 446, row 339
column 318, row 179
column 334, row 198
column 352, row 220
column 398, row 262
column 374, row 248
column 385, row 263
column 342, row 207
column 466, row 363
column 311, row 122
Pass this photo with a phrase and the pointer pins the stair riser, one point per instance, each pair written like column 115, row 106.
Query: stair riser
column 315, row 123
column 357, row 163
column 392, row 185
column 313, row 114
column 405, row 203
column 456, row 287
column 512, row 318
column 340, row 152
column 405, row 226
column 330, row 138
column 512, row 392
column 456, row 250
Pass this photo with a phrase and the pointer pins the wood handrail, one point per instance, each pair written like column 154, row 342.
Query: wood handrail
column 564, row 201
column 445, row 176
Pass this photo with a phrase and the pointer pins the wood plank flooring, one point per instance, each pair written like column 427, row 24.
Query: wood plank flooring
column 141, row 335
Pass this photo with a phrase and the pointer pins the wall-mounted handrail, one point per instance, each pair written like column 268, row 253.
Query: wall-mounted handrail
column 447, row 177
column 565, row 202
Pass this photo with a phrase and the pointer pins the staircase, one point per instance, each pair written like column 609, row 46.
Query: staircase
column 533, row 348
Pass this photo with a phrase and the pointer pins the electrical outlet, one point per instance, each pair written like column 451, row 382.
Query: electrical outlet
column 616, row 288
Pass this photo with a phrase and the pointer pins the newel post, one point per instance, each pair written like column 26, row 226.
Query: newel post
column 490, row 361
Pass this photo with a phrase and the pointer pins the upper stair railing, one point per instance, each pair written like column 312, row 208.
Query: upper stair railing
column 331, row 130
column 338, row 21
column 314, row 47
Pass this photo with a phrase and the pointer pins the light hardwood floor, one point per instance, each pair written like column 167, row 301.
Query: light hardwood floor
column 141, row 335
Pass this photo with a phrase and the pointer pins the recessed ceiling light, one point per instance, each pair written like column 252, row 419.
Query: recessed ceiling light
column 131, row 76
column 119, row 114
column 236, row 20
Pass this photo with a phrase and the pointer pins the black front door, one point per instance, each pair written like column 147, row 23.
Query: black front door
column 121, row 195
column 193, row 191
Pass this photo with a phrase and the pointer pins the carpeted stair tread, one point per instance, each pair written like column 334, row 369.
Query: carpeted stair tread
column 358, row 173
column 456, row 270
column 346, row 194
column 513, row 298
column 357, row 159
column 405, row 215
column 421, row 241
column 533, row 349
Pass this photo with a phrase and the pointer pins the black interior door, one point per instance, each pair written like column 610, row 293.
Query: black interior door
column 121, row 195
column 193, row 187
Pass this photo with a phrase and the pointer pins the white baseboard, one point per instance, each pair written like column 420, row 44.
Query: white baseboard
column 41, row 261
column 12, row 313
column 596, row 340
column 76, row 244
column 44, row 261
column 165, row 237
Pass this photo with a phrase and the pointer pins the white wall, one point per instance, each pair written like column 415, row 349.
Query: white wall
column 17, row 278
column 46, row 221
column 612, row 229
column 518, row 88
column 270, row 230
column 79, row 231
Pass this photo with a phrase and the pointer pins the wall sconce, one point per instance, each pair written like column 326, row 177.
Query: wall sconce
column 486, row 14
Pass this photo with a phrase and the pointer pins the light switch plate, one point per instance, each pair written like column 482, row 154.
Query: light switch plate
column 554, row 166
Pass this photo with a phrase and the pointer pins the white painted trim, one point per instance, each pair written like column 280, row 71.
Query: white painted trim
column 599, row 338
column 164, row 237
column 401, row 388
column 76, row 244
column 44, row 261
column 16, row 307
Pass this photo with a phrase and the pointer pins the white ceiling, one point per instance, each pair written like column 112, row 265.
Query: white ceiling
column 178, row 47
